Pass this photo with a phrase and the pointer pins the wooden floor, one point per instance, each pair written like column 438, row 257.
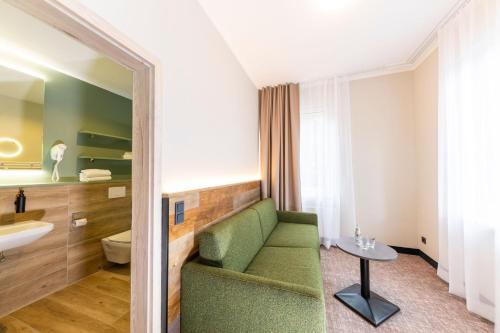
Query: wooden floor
column 98, row 303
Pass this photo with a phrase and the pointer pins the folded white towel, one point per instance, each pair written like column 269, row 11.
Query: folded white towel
column 95, row 173
column 93, row 179
column 127, row 156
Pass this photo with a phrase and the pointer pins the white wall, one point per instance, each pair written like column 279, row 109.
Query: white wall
column 394, row 136
column 426, row 114
column 384, row 157
column 210, row 133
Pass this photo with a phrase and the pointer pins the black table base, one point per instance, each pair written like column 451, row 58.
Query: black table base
column 370, row 306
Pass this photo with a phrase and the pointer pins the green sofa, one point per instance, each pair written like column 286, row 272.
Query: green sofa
column 258, row 271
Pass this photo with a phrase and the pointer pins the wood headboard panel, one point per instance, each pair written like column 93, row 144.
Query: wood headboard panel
column 202, row 208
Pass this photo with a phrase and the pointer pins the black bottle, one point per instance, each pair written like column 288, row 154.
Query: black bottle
column 20, row 202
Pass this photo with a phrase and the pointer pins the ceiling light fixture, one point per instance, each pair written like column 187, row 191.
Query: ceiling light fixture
column 334, row 4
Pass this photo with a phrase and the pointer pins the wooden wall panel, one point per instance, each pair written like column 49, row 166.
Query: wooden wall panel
column 105, row 217
column 31, row 290
column 65, row 254
column 202, row 208
column 37, row 269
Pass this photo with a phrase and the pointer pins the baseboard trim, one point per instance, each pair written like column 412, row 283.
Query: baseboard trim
column 429, row 260
column 416, row 252
column 406, row 250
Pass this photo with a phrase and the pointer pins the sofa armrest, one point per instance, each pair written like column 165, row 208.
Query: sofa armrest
column 298, row 217
column 219, row 300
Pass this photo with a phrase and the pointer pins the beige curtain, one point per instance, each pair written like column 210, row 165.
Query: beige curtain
column 279, row 145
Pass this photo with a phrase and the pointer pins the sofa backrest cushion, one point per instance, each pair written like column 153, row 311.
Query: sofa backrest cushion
column 267, row 216
column 232, row 243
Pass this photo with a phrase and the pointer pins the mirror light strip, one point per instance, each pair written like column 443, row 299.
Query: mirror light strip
column 13, row 154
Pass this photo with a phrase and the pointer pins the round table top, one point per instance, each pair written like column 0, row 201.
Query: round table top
column 380, row 252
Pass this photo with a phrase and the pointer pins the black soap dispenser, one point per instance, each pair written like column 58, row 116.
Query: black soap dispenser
column 20, row 202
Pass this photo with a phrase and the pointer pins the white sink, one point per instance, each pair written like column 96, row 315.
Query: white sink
column 22, row 233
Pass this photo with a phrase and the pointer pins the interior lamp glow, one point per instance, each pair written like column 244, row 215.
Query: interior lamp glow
column 334, row 4
column 24, row 55
column 23, row 69
column 15, row 153
column 198, row 184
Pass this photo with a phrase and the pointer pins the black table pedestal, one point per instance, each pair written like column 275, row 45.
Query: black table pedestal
column 372, row 307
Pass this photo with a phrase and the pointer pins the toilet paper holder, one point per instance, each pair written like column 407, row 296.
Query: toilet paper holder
column 78, row 220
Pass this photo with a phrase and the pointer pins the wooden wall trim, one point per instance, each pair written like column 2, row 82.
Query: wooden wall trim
column 202, row 208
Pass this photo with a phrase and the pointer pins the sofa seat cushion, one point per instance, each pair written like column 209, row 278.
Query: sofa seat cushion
column 232, row 243
column 293, row 265
column 294, row 235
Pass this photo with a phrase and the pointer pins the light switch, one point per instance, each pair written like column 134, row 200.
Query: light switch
column 117, row 192
column 179, row 212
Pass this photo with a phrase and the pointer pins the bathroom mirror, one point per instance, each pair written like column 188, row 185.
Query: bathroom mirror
column 21, row 119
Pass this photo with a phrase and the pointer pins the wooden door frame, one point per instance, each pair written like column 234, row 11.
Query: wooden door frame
column 80, row 23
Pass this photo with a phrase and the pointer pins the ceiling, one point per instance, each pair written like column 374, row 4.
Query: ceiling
column 38, row 49
column 279, row 41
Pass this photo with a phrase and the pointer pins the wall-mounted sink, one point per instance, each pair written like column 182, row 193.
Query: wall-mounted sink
column 22, row 233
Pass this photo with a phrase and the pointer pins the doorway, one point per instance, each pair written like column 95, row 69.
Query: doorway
column 146, row 195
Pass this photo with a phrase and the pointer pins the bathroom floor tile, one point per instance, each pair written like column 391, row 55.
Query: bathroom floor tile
column 109, row 284
column 49, row 316
column 10, row 324
column 97, row 303
column 122, row 271
column 123, row 324
column 93, row 303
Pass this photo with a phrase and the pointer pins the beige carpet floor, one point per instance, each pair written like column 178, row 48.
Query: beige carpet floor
column 411, row 283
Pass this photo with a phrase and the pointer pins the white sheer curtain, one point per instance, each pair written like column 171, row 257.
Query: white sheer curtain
column 325, row 156
column 469, row 155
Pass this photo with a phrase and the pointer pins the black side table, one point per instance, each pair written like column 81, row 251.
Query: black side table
column 372, row 307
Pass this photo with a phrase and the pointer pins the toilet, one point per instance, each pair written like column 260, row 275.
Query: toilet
column 117, row 247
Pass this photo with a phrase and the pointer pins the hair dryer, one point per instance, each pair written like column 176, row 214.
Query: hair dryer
column 57, row 154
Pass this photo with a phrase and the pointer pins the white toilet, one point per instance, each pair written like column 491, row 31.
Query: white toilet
column 117, row 247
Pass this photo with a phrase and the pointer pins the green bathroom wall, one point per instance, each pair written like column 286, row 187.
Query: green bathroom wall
column 72, row 105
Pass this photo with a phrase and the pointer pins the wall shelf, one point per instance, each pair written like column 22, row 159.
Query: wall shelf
column 102, row 157
column 93, row 134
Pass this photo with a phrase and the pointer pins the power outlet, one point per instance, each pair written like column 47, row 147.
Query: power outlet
column 423, row 239
column 117, row 192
